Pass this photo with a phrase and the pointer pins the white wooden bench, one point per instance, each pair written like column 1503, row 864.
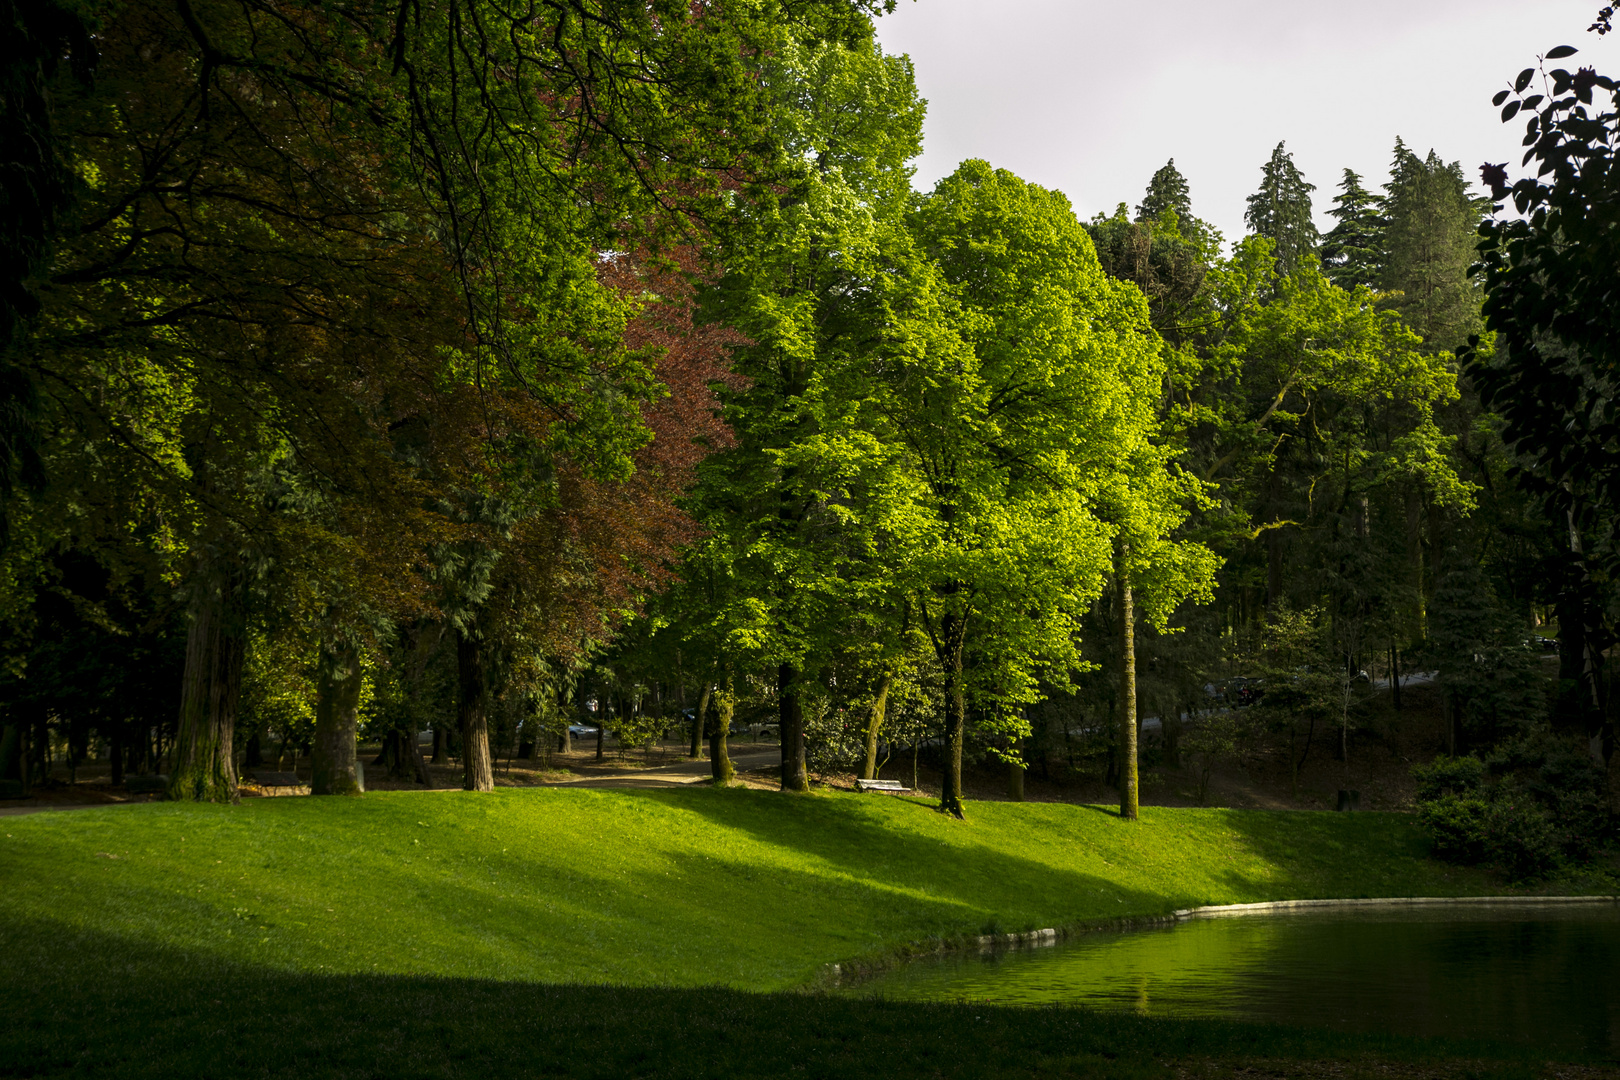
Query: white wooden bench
column 880, row 785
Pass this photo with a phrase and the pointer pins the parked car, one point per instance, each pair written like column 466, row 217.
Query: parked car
column 581, row 731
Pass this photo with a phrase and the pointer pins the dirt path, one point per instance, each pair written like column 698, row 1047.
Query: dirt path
column 685, row 772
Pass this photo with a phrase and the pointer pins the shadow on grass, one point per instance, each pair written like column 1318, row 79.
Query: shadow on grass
column 87, row 1004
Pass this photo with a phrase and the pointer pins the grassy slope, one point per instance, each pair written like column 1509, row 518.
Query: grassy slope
column 689, row 887
column 447, row 935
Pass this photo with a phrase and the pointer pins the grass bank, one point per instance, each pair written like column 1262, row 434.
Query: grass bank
column 692, row 887
column 432, row 933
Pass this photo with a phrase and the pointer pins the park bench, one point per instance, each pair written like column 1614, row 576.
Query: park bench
column 880, row 785
column 147, row 784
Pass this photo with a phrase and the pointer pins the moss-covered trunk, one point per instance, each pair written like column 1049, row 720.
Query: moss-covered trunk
column 1128, row 794
column 880, row 706
column 952, row 633
column 698, row 719
column 334, row 764
column 477, row 772
column 203, row 763
column 725, row 704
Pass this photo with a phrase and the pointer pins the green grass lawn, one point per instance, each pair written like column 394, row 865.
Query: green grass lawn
column 278, row 925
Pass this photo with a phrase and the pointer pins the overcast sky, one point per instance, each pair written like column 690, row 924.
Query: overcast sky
column 1091, row 96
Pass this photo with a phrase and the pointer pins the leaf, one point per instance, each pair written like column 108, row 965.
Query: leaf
column 1532, row 101
column 1510, row 111
column 1501, row 96
column 1562, row 51
column 1524, row 78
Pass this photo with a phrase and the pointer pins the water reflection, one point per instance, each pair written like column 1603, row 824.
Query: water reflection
column 1543, row 975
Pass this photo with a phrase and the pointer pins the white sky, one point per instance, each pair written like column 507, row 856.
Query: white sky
column 1091, row 96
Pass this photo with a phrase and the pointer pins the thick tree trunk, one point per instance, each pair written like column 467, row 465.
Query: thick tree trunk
column 203, row 765
column 880, row 706
column 477, row 772
column 334, row 764
column 795, row 773
column 725, row 703
column 699, row 718
column 952, row 632
column 1128, row 794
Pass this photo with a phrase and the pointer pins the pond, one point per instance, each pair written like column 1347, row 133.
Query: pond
column 1548, row 975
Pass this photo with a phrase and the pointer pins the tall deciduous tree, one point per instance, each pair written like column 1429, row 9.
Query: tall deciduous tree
column 1026, row 441
column 810, row 284
column 1549, row 273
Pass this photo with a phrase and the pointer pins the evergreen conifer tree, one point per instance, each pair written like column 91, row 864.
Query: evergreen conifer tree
column 1166, row 191
column 1429, row 241
column 1353, row 251
column 1281, row 211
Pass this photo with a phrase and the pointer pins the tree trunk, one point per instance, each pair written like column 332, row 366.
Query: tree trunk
column 952, row 632
column 1395, row 677
column 1274, row 568
column 1170, row 732
column 795, row 774
column 438, row 743
column 1127, row 714
column 1015, row 781
column 203, row 765
column 880, row 706
column 725, row 703
column 699, row 718
column 334, row 764
column 253, row 754
column 477, row 772
column 115, row 753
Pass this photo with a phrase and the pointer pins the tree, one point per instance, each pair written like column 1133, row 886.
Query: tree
column 1025, row 442
column 1353, row 250
column 1167, row 190
column 1429, row 237
column 1281, row 211
column 288, row 260
column 810, row 282
column 1548, row 272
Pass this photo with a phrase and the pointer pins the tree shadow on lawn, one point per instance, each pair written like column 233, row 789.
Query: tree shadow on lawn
column 1355, row 856
column 91, row 1004
column 955, row 880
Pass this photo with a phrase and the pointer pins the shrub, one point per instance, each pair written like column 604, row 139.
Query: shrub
column 1457, row 826
column 1449, row 776
column 1536, row 804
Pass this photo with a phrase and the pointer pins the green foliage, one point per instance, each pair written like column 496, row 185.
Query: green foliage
column 1353, row 250
column 1281, row 212
column 1536, row 805
column 1428, row 239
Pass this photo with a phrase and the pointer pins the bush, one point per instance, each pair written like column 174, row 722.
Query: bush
column 1457, row 826
column 1536, row 804
column 1449, row 776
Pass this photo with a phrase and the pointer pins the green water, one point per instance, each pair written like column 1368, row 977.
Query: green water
column 1547, row 975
